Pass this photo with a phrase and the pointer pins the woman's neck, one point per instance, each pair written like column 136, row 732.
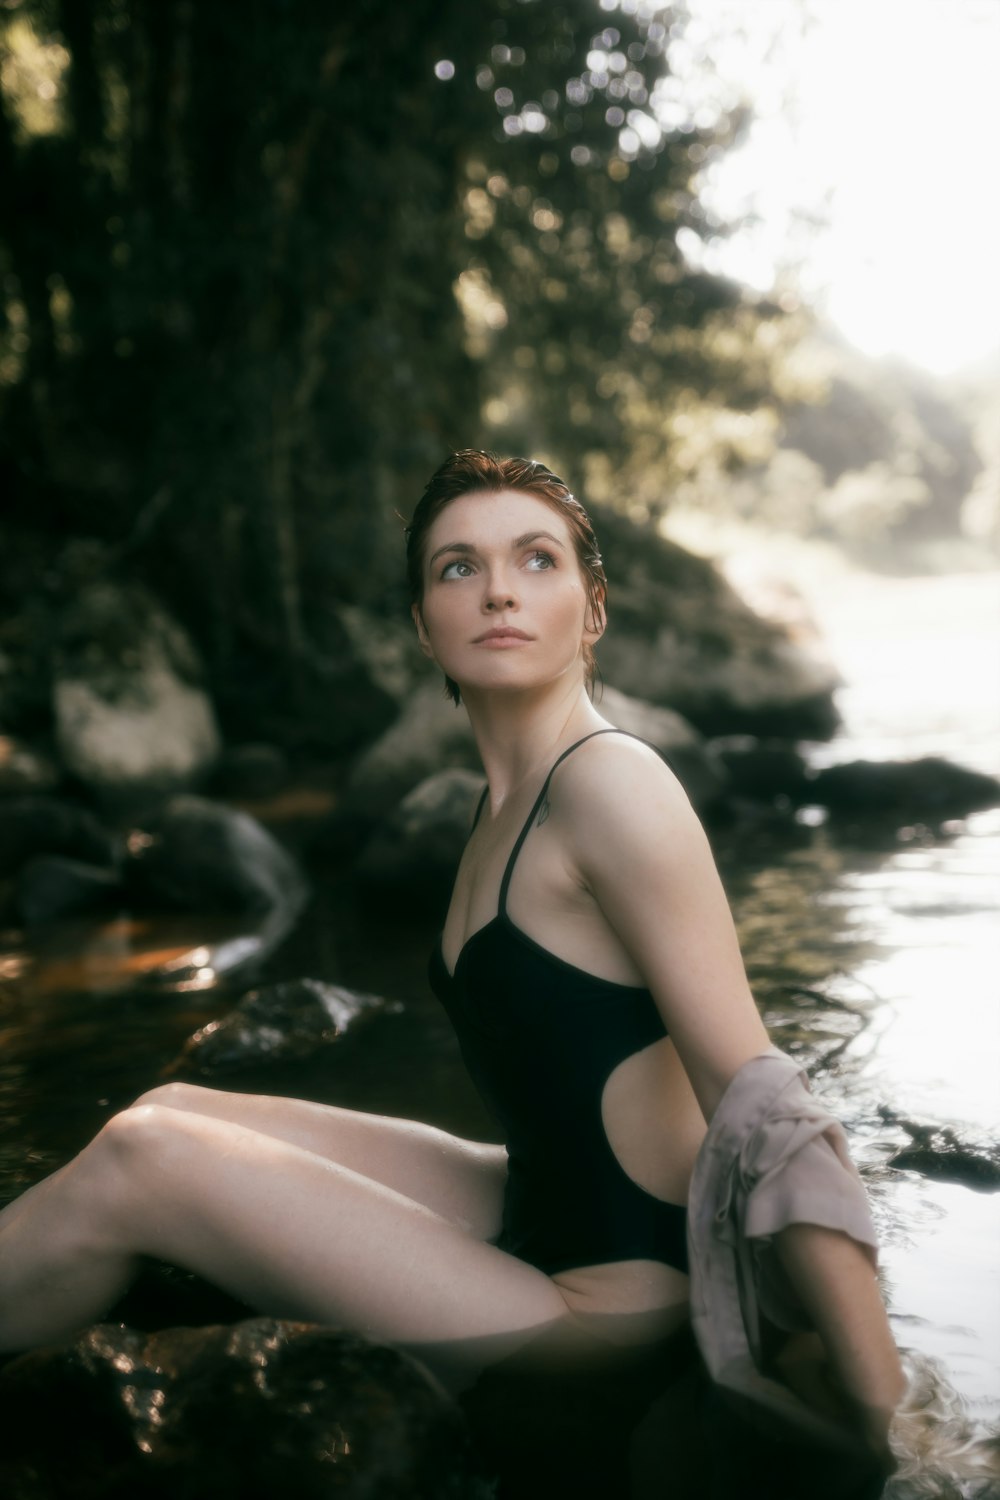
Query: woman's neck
column 519, row 735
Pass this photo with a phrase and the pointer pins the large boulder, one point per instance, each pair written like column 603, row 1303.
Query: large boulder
column 679, row 635
column 387, row 647
column 243, row 1412
column 203, row 856
column 763, row 770
column 416, row 849
column 132, row 720
column 432, row 735
column 930, row 788
column 329, row 699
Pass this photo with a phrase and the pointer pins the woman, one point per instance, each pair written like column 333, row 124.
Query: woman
column 590, row 964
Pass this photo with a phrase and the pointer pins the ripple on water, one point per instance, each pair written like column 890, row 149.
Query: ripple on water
column 942, row 1275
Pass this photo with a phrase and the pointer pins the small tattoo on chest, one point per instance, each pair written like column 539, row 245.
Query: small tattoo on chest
column 543, row 813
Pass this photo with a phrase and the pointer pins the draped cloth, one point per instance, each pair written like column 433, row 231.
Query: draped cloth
column 773, row 1156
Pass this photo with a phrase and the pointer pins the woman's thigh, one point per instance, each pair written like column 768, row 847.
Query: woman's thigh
column 299, row 1235
column 462, row 1181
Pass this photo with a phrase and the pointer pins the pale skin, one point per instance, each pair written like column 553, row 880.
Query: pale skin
column 385, row 1225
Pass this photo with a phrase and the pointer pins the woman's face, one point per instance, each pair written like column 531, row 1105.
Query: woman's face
column 505, row 602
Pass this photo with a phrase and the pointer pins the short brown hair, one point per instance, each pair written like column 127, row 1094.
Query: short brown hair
column 470, row 470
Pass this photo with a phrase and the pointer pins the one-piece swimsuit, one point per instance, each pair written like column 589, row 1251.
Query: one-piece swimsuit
column 540, row 1038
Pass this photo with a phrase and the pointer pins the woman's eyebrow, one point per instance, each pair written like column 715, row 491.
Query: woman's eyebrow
column 518, row 542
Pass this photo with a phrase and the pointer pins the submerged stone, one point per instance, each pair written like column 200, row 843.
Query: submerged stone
column 936, row 1151
column 280, row 1023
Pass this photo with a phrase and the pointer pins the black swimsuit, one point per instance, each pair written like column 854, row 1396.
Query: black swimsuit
column 540, row 1039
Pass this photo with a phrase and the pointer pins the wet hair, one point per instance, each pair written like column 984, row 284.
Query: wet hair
column 470, row 471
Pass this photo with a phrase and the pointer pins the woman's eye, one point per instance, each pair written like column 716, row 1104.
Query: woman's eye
column 460, row 562
column 541, row 560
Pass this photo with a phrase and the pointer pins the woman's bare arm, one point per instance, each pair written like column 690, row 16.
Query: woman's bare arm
column 642, row 852
column 834, row 1280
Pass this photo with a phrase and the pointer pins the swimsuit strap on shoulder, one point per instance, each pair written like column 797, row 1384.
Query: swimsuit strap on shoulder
column 479, row 807
column 508, row 872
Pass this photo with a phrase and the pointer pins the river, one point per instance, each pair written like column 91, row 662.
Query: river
column 895, row 931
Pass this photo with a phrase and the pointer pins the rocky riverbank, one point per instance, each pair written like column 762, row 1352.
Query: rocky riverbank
column 137, row 794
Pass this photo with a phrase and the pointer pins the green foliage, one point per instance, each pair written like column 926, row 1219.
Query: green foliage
column 263, row 265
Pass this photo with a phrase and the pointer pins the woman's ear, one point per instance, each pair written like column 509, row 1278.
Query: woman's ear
column 595, row 619
column 422, row 636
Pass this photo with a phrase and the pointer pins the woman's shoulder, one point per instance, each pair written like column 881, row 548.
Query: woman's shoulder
column 612, row 781
column 614, row 763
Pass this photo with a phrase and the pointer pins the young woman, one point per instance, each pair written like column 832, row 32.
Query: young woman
column 590, row 965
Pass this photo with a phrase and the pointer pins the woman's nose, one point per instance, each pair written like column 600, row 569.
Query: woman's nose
column 499, row 594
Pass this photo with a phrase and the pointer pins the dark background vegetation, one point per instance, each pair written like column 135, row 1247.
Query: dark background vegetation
column 264, row 264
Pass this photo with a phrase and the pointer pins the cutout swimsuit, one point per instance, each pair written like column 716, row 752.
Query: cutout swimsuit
column 540, row 1038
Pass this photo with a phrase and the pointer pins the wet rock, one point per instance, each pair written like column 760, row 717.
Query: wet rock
column 763, row 770
column 937, row 1152
column 25, row 769
column 431, row 735
column 202, row 856
column 951, row 1164
column 680, row 635
column 31, row 826
column 416, row 850
column 930, row 787
column 132, row 720
column 51, row 886
column 388, row 648
column 280, row 1023
column 246, row 1412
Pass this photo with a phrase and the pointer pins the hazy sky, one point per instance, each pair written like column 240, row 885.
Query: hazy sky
column 879, row 121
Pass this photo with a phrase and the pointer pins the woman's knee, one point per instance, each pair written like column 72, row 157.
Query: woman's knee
column 106, row 1181
column 172, row 1096
column 131, row 1151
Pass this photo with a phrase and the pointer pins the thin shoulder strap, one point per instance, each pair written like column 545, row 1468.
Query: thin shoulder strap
column 508, row 872
column 479, row 807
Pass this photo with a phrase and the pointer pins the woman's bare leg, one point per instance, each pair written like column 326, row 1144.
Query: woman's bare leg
column 277, row 1225
column 461, row 1180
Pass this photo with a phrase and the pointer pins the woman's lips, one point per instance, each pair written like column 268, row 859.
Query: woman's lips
column 502, row 638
